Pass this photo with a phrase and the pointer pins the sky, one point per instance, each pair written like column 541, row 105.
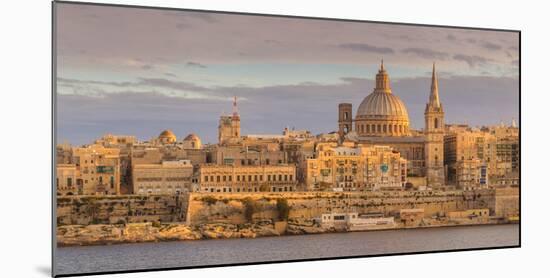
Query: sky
column 135, row 71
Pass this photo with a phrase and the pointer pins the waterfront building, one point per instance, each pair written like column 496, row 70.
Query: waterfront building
column 94, row 170
column 382, row 119
column 66, row 180
column 167, row 177
column 346, row 168
column 411, row 217
column 353, row 221
column 247, row 178
column 496, row 148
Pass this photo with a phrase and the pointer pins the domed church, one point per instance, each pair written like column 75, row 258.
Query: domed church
column 382, row 119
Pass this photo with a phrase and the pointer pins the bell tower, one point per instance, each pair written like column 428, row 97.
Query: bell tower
column 434, row 128
column 229, row 128
column 344, row 119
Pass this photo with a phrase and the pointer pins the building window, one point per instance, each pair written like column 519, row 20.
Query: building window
column 218, row 178
column 436, row 123
column 230, row 178
column 206, row 178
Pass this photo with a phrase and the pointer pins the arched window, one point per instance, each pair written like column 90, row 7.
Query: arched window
column 385, row 128
column 379, row 128
column 436, row 123
column 368, row 128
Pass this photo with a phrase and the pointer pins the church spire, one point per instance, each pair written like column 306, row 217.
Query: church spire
column 434, row 92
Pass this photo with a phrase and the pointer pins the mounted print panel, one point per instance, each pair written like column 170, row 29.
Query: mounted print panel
column 188, row 138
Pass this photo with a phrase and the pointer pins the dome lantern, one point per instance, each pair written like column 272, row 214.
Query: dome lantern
column 382, row 113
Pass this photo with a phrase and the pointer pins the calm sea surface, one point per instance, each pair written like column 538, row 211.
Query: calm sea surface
column 211, row 252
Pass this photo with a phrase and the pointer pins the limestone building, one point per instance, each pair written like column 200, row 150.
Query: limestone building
column 382, row 119
column 95, row 170
column 66, row 180
column 249, row 178
column 168, row 177
column 496, row 149
column 471, row 174
column 355, row 168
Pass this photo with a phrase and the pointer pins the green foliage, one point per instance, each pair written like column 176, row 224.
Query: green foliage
column 283, row 209
column 96, row 221
column 209, row 200
column 250, row 207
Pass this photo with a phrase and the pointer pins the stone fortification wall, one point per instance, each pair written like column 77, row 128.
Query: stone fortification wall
column 231, row 208
column 86, row 210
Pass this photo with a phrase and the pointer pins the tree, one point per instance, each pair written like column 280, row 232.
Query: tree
column 250, row 207
column 283, row 209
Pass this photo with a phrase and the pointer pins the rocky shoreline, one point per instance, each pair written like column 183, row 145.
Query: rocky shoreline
column 107, row 234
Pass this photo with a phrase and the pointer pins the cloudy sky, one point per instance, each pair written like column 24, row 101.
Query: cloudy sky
column 140, row 71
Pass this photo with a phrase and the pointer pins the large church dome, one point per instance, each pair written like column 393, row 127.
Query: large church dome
column 380, row 104
column 382, row 113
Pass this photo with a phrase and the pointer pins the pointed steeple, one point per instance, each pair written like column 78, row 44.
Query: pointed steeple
column 434, row 93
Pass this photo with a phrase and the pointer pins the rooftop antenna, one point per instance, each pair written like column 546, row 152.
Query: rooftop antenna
column 235, row 112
